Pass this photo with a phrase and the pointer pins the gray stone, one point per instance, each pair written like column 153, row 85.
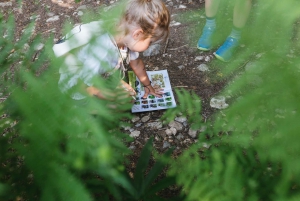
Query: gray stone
column 207, row 59
column 180, row 136
column 39, row 46
column 6, row 4
column 53, row 19
column 171, row 131
column 203, row 67
column 135, row 133
column 178, row 126
column 205, row 145
column 145, row 119
column 192, row 133
column 132, row 147
column 174, row 23
column 138, row 125
column 50, row 14
column 155, row 125
column 181, row 119
column 218, row 102
column 199, row 58
column 168, row 132
column 135, row 119
column 166, row 145
column 82, row 7
column 181, row 67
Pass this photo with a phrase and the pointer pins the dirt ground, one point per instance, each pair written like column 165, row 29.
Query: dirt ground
column 177, row 55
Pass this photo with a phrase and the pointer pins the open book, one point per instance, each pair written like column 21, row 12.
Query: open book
column 159, row 79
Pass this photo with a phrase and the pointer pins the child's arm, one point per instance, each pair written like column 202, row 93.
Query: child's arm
column 139, row 69
column 106, row 95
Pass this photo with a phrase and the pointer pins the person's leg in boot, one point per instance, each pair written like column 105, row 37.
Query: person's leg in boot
column 240, row 15
column 205, row 40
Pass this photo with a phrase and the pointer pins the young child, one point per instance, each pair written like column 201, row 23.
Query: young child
column 143, row 22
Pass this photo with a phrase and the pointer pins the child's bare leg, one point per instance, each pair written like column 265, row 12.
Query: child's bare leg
column 241, row 12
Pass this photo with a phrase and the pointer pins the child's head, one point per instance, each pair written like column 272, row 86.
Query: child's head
column 147, row 21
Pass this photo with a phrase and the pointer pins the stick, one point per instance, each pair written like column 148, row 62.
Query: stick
column 178, row 47
column 166, row 45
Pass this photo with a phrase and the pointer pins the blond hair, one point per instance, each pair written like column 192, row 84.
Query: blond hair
column 151, row 16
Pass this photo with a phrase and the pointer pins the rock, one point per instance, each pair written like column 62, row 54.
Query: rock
column 192, row 133
column 178, row 126
column 53, row 19
column 80, row 13
column 203, row 67
column 181, row 119
column 166, row 145
column 180, row 136
column 152, row 50
column 170, row 3
column 207, row 59
column 218, row 102
column 187, row 141
column 171, row 131
column 182, row 6
column 168, row 132
column 138, row 125
column 126, row 128
column 6, row 4
column 174, row 23
column 145, row 119
column 50, row 14
column 155, row 125
column 39, row 46
column 205, row 145
column 35, row 17
column 135, row 119
column 199, row 58
column 132, row 147
column 135, row 133
column 82, row 7
column 181, row 67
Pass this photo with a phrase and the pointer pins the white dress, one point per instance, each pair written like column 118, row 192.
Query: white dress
column 93, row 53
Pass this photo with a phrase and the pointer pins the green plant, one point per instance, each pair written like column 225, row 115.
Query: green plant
column 253, row 149
column 51, row 142
column 144, row 181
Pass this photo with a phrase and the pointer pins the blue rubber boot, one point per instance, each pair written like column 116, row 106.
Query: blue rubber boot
column 205, row 41
column 225, row 52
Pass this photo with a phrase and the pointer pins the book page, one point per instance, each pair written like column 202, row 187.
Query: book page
column 159, row 79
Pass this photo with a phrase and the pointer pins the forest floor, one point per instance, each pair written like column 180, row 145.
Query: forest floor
column 178, row 55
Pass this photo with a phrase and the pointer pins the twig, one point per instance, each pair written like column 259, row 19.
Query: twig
column 166, row 45
column 48, row 30
column 178, row 47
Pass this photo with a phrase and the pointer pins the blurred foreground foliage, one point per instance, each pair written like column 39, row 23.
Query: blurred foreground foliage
column 52, row 148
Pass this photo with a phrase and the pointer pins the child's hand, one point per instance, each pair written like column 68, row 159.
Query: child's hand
column 128, row 88
column 153, row 91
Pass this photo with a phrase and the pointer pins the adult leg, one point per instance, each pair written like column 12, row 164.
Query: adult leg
column 211, row 9
column 240, row 15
